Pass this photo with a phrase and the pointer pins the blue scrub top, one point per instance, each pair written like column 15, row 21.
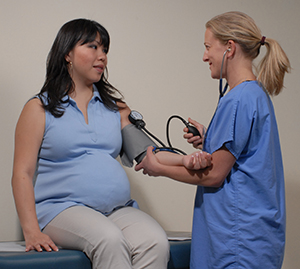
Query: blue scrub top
column 242, row 223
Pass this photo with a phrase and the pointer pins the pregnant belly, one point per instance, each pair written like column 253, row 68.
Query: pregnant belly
column 99, row 182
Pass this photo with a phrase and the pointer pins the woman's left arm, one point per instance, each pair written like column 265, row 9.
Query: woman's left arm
column 124, row 113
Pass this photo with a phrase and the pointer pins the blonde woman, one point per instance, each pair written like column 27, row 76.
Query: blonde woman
column 239, row 214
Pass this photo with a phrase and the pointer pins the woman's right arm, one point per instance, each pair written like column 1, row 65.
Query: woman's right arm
column 28, row 138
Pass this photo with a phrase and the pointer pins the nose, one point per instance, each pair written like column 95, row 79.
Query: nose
column 102, row 55
column 205, row 58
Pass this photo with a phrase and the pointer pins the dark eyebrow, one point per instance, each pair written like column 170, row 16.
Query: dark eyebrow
column 98, row 42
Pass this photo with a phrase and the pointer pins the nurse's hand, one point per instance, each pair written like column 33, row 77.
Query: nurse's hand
column 150, row 164
column 197, row 141
column 196, row 161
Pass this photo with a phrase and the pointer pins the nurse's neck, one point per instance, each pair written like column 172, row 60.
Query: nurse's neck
column 238, row 72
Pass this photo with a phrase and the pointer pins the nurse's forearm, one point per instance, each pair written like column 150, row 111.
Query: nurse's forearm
column 203, row 177
column 212, row 176
column 170, row 165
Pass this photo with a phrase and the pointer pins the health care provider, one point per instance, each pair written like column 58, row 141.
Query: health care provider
column 239, row 213
column 68, row 137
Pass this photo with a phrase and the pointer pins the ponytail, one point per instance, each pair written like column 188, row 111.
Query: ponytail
column 241, row 28
column 273, row 66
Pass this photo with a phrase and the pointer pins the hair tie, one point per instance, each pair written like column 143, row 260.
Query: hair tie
column 262, row 41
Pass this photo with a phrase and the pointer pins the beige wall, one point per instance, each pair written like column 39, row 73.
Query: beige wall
column 156, row 61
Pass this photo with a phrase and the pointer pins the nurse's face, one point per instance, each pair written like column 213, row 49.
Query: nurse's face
column 213, row 54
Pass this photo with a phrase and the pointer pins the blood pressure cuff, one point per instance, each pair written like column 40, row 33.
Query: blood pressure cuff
column 135, row 144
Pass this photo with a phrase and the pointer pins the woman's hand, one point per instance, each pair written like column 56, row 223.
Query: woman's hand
column 39, row 241
column 197, row 141
column 196, row 161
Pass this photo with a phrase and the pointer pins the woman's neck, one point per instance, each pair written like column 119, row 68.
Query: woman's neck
column 82, row 92
column 241, row 80
column 240, row 72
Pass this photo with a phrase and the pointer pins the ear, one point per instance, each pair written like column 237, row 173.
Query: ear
column 68, row 57
column 231, row 46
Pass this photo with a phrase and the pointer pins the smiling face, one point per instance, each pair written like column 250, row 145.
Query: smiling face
column 213, row 54
column 87, row 62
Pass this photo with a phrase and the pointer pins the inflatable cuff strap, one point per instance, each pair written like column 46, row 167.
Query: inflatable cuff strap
column 135, row 144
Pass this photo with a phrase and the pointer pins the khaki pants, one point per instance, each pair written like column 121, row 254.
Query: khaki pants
column 128, row 238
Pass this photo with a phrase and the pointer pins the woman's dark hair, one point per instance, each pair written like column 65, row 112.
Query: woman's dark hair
column 58, row 82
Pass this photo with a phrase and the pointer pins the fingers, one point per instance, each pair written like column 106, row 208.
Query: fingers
column 196, row 141
column 195, row 123
column 202, row 161
column 50, row 246
column 199, row 160
column 192, row 139
column 36, row 247
column 205, row 159
column 197, row 144
column 208, row 159
column 189, row 136
column 28, row 248
column 47, row 245
column 140, row 166
column 200, row 127
column 191, row 163
column 41, row 247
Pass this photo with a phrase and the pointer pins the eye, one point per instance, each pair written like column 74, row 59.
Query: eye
column 93, row 46
column 105, row 50
column 207, row 45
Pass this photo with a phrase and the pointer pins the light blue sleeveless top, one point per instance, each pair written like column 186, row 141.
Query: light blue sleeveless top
column 76, row 163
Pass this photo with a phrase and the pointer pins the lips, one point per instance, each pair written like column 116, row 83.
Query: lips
column 99, row 68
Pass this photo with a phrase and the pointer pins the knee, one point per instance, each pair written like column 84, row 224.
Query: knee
column 153, row 252
column 112, row 239
column 157, row 243
column 161, row 243
column 110, row 250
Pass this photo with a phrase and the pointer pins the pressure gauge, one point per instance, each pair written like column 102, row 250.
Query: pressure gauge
column 136, row 118
column 135, row 115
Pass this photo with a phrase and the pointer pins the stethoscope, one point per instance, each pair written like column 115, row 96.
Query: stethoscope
column 221, row 90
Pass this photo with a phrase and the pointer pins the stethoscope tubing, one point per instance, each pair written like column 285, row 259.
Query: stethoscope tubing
column 221, row 90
